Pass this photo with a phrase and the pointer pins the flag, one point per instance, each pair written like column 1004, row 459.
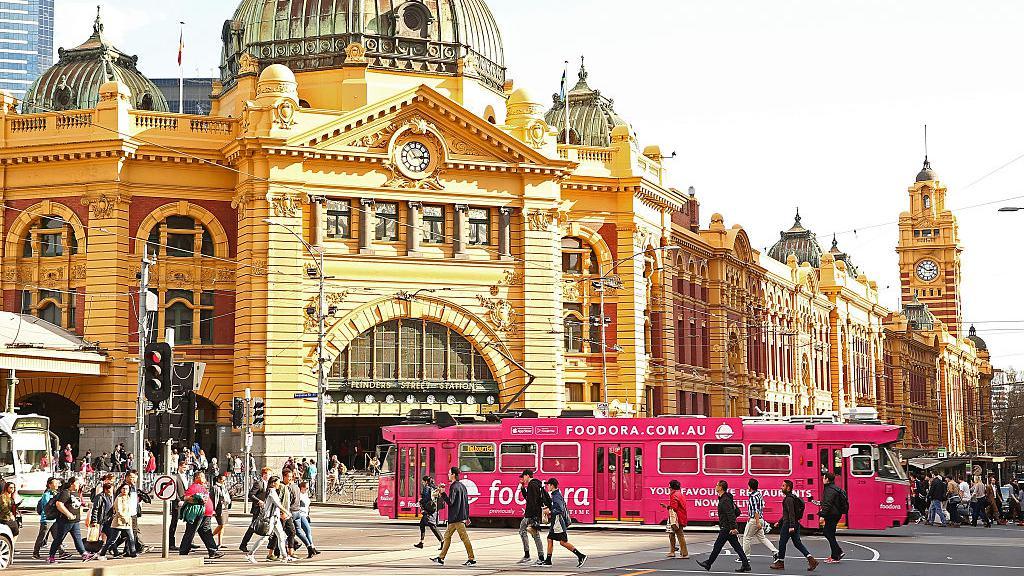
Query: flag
column 181, row 46
column 565, row 98
column 565, row 80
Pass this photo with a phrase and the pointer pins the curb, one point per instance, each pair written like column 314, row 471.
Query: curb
column 114, row 568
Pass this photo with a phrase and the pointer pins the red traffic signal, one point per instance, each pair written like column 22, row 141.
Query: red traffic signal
column 157, row 372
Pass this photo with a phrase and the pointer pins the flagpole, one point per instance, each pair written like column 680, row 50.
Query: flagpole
column 181, row 69
column 565, row 89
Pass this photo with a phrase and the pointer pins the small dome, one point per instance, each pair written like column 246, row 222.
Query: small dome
column 843, row 257
column 972, row 335
column 74, row 82
column 592, row 117
column 926, row 174
column 918, row 315
column 799, row 241
column 277, row 73
column 521, row 96
column 442, row 37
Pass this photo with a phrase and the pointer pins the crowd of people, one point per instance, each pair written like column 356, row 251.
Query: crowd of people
column 954, row 501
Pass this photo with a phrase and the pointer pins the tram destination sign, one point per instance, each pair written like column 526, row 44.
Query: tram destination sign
column 632, row 428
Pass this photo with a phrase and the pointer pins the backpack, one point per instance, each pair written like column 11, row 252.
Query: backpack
column 39, row 506
column 842, row 502
column 51, row 508
column 799, row 506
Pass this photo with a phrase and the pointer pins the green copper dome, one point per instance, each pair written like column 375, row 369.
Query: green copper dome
column 592, row 116
column 74, row 82
column 426, row 36
column 799, row 241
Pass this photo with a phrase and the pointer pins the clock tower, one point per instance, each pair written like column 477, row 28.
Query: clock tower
column 929, row 251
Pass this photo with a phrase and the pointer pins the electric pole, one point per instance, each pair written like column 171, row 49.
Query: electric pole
column 140, row 411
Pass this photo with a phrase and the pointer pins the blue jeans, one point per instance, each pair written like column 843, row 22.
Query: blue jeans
column 62, row 528
column 936, row 511
column 303, row 529
column 785, row 536
column 978, row 509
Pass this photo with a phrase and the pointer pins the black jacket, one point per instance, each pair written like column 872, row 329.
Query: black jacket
column 536, row 498
column 257, row 495
column 789, row 511
column 828, row 508
column 938, row 489
column 457, row 499
column 727, row 512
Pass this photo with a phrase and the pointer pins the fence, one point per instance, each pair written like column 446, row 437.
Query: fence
column 353, row 490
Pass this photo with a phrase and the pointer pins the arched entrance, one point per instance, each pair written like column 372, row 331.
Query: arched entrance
column 63, row 415
column 206, row 426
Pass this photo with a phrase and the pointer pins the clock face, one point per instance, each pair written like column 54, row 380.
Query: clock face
column 415, row 157
column 927, row 270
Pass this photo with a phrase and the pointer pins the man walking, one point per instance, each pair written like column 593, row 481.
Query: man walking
column 789, row 528
column 727, row 529
column 755, row 523
column 834, row 503
column 536, row 500
column 135, row 500
column 181, row 484
column 978, row 503
column 457, row 500
column 936, row 496
column 953, row 502
column 45, row 525
column 257, row 496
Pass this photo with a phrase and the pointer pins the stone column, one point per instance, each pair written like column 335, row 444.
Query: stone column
column 505, row 233
column 365, row 227
column 461, row 224
column 414, row 234
column 317, row 220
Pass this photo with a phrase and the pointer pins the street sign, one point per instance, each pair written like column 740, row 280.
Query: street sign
column 304, row 395
column 941, row 452
column 248, row 440
column 163, row 488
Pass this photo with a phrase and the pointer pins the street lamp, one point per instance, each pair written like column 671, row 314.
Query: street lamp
column 321, row 426
column 1010, row 208
column 599, row 284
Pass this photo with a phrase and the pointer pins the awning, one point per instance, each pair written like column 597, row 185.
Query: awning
column 928, row 463
column 30, row 344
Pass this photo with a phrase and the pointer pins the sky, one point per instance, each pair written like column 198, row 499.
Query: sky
column 770, row 106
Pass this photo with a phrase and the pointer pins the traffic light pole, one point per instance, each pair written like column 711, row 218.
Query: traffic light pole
column 140, row 409
column 321, row 386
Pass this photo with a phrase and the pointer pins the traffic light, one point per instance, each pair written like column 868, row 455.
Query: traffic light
column 157, row 372
column 237, row 412
column 258, row 412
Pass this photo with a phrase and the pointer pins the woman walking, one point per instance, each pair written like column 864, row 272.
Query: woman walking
column 120, row 525
column 677, row 520
column 560, row 525
column 428, row 510
column 302, row 525
column 197, row 512
column 101, row 516
column 9, row 508
column 273, row 514
column 221, row 504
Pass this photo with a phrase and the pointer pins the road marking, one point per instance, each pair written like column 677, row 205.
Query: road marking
column 639, row 572
column 874, row 553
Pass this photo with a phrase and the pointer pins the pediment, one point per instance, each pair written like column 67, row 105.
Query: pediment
column 465, row 136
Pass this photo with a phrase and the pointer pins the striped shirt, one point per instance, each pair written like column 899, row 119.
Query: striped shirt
column 755, row 504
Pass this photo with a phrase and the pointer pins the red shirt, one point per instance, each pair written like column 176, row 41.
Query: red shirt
column 200, row 489
column 677, row 502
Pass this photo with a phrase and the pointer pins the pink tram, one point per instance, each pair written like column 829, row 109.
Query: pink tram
column 617, row 470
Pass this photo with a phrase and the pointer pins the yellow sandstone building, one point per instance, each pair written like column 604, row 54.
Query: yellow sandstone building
column 480, row 249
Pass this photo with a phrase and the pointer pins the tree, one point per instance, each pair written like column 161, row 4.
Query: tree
column 1008, row 422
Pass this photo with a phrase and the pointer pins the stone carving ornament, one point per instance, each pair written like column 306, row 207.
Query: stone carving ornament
column 501, row 314
column 102, row 206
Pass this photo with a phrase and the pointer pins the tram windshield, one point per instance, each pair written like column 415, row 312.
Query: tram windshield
column 887, row 463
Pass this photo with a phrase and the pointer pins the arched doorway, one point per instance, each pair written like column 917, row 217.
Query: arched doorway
column 63, row 415
column 206, row 426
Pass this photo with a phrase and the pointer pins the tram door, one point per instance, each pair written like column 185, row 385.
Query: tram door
column 415, row 462
column 618, row 481
column 830, row 458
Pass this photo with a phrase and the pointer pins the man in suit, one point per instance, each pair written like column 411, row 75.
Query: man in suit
column 181, row 484
column 257, row 496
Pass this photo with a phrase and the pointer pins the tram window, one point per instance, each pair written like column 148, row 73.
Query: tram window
column 476, row 457
column 771, row 459
column 677, row 459
column 6, row 456
column 557, row 457
column 516, row 457
column 860, row 463
column 638, row 460
column 887, row 463
column 723, row 458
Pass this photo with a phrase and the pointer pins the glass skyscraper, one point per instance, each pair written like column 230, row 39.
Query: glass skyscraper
column 26, row 43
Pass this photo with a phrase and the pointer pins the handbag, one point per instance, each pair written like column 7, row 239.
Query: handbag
column 261, row 526
column 558, row 525
column 93, row 534
column 190, row 512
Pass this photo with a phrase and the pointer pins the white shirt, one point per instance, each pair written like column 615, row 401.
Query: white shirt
column 965, row 490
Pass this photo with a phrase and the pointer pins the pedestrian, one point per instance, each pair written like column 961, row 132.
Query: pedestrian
column 271, row 514
column 121, row 525
column 953, row 502
column 102, row 515
column 257, row 497
column 789, row 528
column 292, row 503
column 677, row 520
column 727, row 529
column 181, row 484
column 236, row 468
column 457, row 501
column 135, row 501
column 560, row 522
column 755, row 521
column 310, row 472
column 374, row 465
column 936, row 496
column 197, row 512
column 69, row 513
column 150, row 462
column 1013, row 501
column 67, row 458
column 921, row 497
column 302, row 525
column 45, row 524
column 979, row 503
column 536, row 500
column 834, row 504
column 221, row 505
column 9, row 508
column 213, row 470
column 428, row 510
column 991, row 489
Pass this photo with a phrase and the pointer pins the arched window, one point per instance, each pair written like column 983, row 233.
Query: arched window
column 180, row 237
column 189, row 312
column 425, row 361
column 48, row 237
column 572, row 327
column 927, row 201
column 578, row 256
